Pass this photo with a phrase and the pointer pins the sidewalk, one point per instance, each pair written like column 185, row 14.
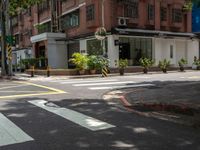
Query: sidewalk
column 24, row 76
column 170, row 101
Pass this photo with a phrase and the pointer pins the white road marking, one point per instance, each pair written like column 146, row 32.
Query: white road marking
column 10, row 133
column 107, row 83
column 88, row 81
column 76, row 117
column 122, row 86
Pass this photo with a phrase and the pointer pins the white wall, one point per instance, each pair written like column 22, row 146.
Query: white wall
column 113, row 51
column 181, row 50
column 21, row 54
column 83, row 46
column 192, row 50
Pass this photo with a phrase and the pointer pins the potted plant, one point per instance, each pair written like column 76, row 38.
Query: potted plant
column 92, row 63
column 182, row 62
column 123, row 63
column 163, row 65
column 80, row 61
column 197, row 64
column 146, row 63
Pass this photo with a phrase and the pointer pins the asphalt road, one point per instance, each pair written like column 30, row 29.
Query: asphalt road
column 78, row 108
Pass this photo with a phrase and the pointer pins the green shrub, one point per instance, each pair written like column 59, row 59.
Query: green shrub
column 164, row 64
column 92, row 62
column 123, row 63
column 146, row 62
column 182, row 62
column 79, row 60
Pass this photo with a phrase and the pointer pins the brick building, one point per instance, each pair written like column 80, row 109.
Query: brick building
column 156, row 29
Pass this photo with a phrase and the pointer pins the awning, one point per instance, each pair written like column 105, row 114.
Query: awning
column 141, row 32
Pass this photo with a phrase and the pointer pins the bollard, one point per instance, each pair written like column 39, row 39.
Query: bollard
column 32, row 71
column 104, row 72
column 48, row 71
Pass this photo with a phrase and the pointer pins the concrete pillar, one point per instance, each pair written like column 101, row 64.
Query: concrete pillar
column 113, row 50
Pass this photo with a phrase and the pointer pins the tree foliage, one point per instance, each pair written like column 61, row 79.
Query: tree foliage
column 189, row 4
column 16, row 5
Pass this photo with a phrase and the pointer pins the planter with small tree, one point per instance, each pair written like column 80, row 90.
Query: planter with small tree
column 80, row 62
column 164, row 65
column 93, row 63
column 146, row 63
column 123, row 63
column 182, row 62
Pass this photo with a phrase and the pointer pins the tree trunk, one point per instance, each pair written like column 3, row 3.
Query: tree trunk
column 3, row 39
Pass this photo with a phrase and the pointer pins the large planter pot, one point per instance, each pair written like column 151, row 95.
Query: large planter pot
column 81, row 72
column 121, row 71
column 198, row 67
column 145, row 70
column 93, row 71
column 181, row 68
column 164, row 70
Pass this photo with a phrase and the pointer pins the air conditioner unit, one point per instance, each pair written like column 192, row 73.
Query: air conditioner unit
column 122, row 21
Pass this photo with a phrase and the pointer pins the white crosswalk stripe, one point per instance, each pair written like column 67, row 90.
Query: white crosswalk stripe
column 100, row 83
column 71, row 115
column 10, row 133
column 120, row 86
column 104, row 83
column 88, row 81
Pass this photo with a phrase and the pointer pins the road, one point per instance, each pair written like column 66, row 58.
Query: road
column 60, row 114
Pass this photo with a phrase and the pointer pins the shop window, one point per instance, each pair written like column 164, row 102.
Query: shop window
column 90, row 12
column 70, row 20
column 151, row 12
column 138, row 48
column 177, row 15
column 131, row 10
column 94, row 47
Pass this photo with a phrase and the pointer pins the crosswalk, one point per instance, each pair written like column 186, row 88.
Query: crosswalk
column 100, row 84
column 10, row 133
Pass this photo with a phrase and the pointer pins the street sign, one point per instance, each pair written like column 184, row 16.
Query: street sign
column 10, row 39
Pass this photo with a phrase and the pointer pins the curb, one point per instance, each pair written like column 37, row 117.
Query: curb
column 176, row 108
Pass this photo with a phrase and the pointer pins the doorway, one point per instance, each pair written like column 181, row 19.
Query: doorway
column 124, row 51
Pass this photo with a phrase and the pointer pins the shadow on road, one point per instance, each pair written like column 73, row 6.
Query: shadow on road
column 132, row 132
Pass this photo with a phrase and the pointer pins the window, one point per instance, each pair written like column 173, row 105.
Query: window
column 131, row 10
column 163, row 14
column 151, row 12
column 90, row 12
column 44, row 5
column 94, row 47
column 46, row 27
column 70, row 20
column 177, row 15
column 171, row 51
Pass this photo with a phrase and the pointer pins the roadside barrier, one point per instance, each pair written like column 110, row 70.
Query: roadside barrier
column 48, row 71
column 104, row 72
column 32, row 71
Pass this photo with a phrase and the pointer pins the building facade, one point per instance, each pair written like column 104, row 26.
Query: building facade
column 135, row 29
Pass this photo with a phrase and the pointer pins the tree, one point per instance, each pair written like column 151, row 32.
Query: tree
column 7, row 8
column 189, row 4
